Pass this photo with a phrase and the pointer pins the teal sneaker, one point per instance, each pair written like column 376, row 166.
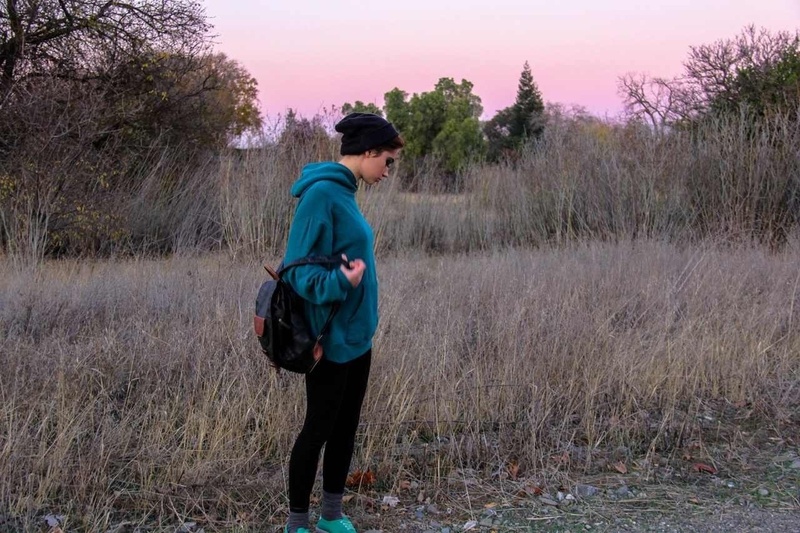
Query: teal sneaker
column 342, row 525
column 301, row 530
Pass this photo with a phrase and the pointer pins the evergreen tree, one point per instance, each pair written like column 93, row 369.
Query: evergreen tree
column 512, row 126
column 528, row 109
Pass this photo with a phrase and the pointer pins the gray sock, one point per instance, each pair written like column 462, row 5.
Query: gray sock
column 331, row 506
column 296, row 521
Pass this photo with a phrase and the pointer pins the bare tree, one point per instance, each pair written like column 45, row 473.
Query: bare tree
column 73, row 38
column 718, row 76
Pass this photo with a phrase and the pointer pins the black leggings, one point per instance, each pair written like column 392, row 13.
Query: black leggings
column 334, row 394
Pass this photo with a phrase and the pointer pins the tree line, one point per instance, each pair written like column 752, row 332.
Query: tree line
column 756, row 73
column 99, row 96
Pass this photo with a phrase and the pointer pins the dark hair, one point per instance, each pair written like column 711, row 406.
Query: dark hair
column 395, row 144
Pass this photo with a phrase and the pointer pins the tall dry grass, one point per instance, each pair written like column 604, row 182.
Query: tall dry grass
column 134, row 390
column 729, row 178
column 732, row 177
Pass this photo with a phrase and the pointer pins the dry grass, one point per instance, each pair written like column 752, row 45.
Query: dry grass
column 135, row 389
column 736, row 178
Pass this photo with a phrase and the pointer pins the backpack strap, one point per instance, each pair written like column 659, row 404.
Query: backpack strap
column 312, row 260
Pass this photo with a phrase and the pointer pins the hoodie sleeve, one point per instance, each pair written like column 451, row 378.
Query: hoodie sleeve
column 318, row 284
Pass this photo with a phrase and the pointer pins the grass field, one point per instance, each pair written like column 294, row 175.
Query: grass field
column 133, row 390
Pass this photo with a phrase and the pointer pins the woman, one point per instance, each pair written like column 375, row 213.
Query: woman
column 327, row 222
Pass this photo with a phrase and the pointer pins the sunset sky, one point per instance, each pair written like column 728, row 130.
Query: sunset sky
column 311, row 54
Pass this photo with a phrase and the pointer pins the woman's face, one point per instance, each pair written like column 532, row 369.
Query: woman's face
column 376, row 165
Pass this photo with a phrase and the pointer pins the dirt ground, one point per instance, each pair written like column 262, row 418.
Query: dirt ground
column 759, row 492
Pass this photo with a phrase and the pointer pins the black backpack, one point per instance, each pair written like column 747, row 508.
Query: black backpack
column 280, row 322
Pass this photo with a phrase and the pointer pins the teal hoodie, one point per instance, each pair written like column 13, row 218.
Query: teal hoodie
column 328, row 222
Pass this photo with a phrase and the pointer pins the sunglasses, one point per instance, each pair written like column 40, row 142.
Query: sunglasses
column 389, row 162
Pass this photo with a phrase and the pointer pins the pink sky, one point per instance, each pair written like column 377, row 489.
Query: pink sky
column 312, row 54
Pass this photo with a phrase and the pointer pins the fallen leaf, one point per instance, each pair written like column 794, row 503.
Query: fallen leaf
column 561, row 459
column 513, row 470
column 360, row 479
column 347, row 497
column 405, row 485
column 490, row 505
column 694, row 501
column 537, row 491
column 621, row 468
column 702, row 467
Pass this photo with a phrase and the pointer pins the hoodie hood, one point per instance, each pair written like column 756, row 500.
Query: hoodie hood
column 327, row 171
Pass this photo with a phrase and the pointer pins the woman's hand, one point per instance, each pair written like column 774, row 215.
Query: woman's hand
column 354, row 270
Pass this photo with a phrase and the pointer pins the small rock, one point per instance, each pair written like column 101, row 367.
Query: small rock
column 623, row 492
column 391, row 501
column 54, row 520
column 585, row 491
column 621, row 452
column 486, row 522
column 472, row 524
column 795, row 464
column 433, row 509
column 548, row 501
column 763, row 492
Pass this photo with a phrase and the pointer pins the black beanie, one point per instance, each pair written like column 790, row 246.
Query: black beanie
column 364, row 131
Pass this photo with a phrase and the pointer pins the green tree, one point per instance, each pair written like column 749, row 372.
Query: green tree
column 396, row 106
column 774, row 88
column 361, row 107
column 443, row 123
column 528, row 108
column 200, row 102
column 524, row 120
column 497, row 130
